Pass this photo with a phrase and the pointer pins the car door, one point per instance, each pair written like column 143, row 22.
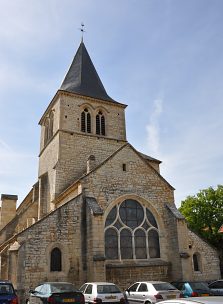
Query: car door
column 37, row 296
column 132, row 293
column 142, row 293
column 88, row 294
column 217, row 288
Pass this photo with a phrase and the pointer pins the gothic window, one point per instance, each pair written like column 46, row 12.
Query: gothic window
column 46, row 133
column 196, row 262
column 86, row 121
column 51, row 118
column 131, row 232
column 48, row 128
column 100, row 124
column 56, row 260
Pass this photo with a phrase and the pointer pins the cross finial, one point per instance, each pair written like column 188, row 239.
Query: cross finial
column 82, row 31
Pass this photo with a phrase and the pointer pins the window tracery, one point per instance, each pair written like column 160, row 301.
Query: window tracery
column 86, row 121
column 131, row 232
column 100, row 123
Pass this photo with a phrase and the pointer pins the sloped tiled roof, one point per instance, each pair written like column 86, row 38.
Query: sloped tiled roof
column 82, row 77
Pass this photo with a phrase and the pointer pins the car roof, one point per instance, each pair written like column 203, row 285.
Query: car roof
column 196, row 300
column 152, row 282
column 99, row 283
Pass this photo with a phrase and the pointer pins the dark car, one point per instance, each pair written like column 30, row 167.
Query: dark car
column 56, row 292
column 193, row 289
column 216, row 287
column 7, row 293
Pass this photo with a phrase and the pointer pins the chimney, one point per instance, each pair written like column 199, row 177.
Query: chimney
column 8, row 209
column 90, row 163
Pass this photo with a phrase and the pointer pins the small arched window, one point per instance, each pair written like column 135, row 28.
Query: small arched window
column 100, row 124
column 86, row 121
column 56, row 260
column 196, row 262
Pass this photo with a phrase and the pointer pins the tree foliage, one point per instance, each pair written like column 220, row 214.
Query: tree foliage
column 204, row 214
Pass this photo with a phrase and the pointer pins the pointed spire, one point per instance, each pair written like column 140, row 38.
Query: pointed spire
column 82, row 77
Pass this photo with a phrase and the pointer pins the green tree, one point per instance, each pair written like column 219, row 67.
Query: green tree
column 204, row 214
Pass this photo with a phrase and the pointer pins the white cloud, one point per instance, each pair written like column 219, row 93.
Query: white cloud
column 152, row 128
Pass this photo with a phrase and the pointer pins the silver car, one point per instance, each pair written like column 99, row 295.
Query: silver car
column 196, row 300
column 151, row 292
column 102, row 292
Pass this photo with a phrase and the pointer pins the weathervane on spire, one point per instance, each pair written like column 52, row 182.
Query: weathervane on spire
column 82, row 30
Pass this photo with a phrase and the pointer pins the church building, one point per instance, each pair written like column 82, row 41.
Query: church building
column 100, row 210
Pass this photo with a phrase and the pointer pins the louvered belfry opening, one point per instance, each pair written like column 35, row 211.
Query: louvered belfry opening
column 100, row 124
column 86, row 121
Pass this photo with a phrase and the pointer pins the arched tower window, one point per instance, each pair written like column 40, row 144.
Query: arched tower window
column 131, row 232
column 46, row 132
column 56, row 260
column 100, row 123
column 86, row 121
column 51, row 119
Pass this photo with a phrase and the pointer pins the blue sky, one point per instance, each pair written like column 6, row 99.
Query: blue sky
column 163, row 58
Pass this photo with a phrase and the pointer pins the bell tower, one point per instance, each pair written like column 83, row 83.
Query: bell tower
column 80, row 121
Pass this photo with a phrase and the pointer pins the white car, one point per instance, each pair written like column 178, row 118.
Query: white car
column 102, row 292
column 196, row 300
column 151, row 292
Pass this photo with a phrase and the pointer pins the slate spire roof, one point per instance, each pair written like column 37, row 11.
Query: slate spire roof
column 82, row 77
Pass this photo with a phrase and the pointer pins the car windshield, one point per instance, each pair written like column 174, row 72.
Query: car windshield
column 164, row 286
column 6, row 289
column 62, row 287
column 198, row 286
column 107, row 289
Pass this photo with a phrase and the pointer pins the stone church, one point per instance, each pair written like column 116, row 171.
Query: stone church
column 100, row 210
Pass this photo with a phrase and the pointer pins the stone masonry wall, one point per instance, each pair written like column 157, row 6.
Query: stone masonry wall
column 210, row 269
column 109, row 184
column 72, row 107
column 60, row 229
column 74, row 152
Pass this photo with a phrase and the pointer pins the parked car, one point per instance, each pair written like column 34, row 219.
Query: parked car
column 55, row 292
column 7, row 293
column 216, row 287
column 151, row 292
column 193, row 289
column 196, row 300
column 102, row 292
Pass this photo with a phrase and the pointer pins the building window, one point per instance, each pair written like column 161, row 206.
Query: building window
column 51, row 119
column 100, row 124
column 55, row 260
column 131, row 232
column 86, row 121
column 196, row 262
column 48, row 134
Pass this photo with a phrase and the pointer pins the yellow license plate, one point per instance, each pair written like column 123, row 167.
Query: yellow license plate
column 68, row 300
column 111, row 297
column 205, row 295
column 171, row 297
